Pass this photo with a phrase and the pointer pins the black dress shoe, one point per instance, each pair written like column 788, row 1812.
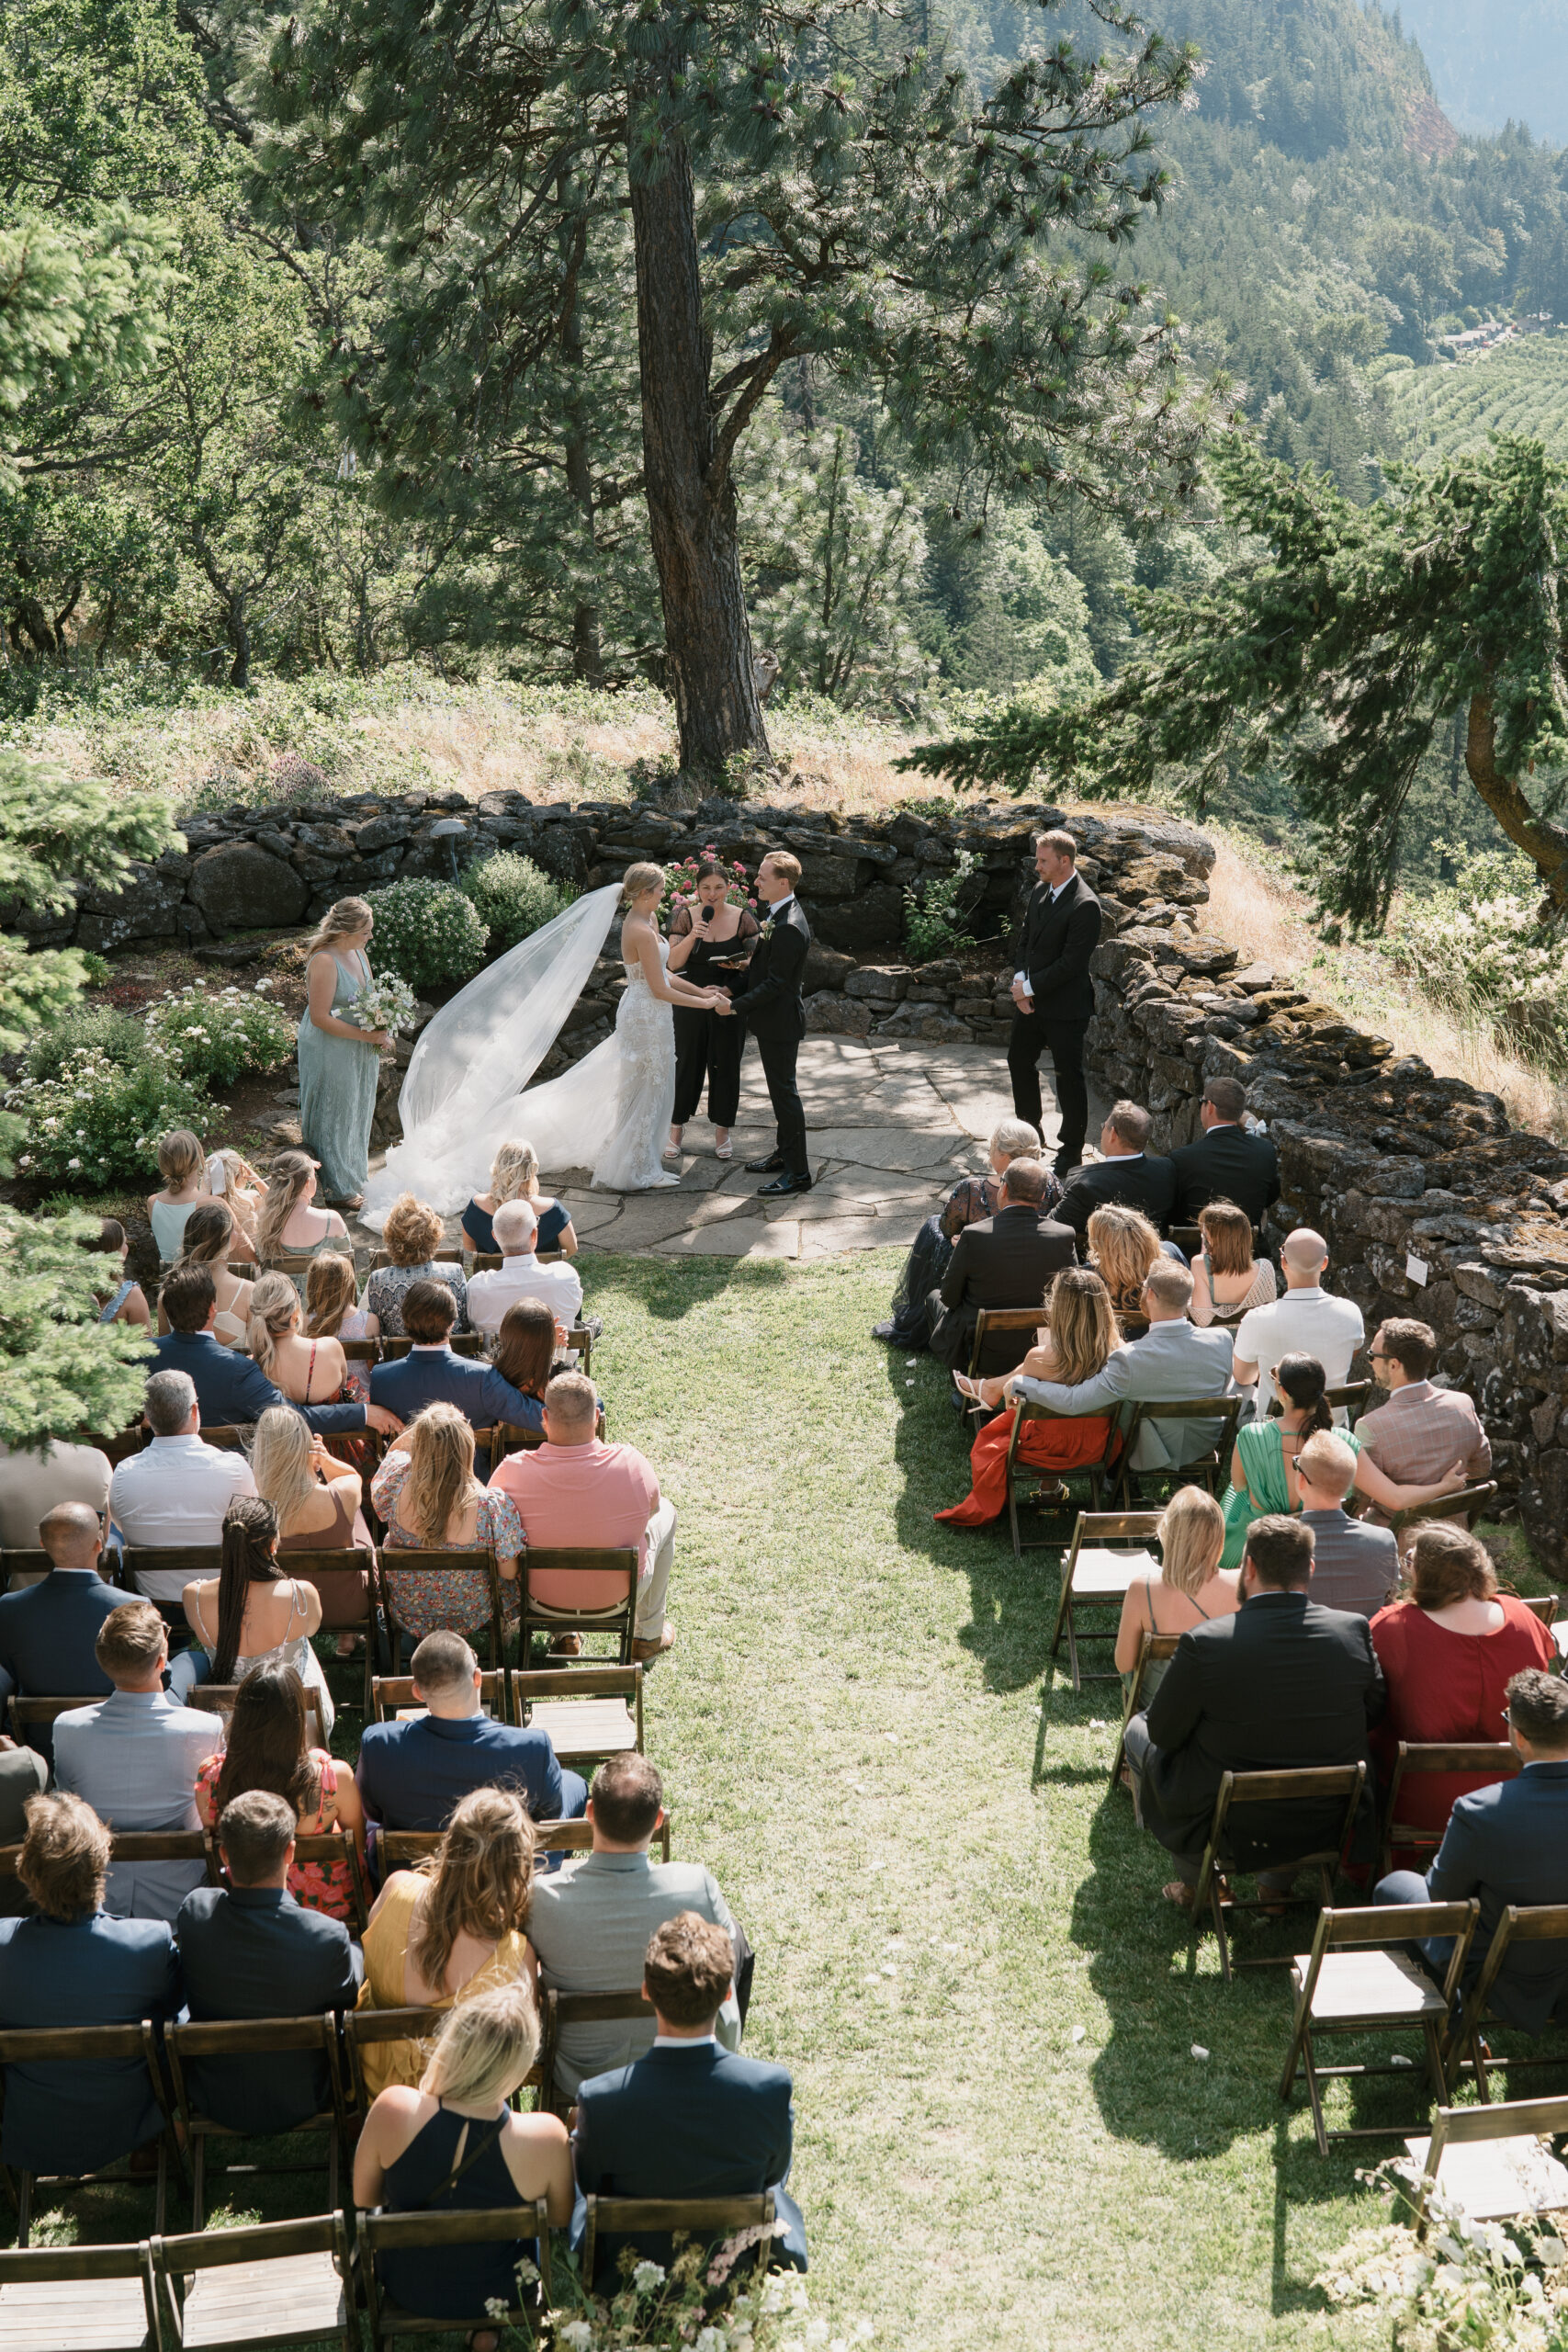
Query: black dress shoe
column 888, row 1331
column 784, row 1184
column 765, row 1167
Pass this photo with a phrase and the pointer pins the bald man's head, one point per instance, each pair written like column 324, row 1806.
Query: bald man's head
column 72, row 1536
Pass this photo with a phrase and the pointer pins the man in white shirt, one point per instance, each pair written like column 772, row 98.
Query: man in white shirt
column 1307, row 1321
column 177, row 1490
column 520, row 1275
column 134, row 1758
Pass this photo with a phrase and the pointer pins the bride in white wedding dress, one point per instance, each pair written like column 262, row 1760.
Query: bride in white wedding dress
column 466, row 1090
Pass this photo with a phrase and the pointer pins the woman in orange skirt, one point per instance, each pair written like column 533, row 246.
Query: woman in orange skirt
column 1081, row 1332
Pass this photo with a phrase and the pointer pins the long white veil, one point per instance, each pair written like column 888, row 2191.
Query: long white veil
column 460, row 1098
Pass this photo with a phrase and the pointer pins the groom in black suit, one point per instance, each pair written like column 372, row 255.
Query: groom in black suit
column 1053, row 993
column 768, row 999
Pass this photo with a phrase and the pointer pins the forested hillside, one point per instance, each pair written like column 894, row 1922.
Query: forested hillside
column 1497, row 60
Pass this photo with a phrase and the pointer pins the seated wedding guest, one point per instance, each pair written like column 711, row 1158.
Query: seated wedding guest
column 411, row 1774
column 290, row 1221
column 75, row 1965
column 515, row 1176
column 1226, row 1163
column 455, row 2142
column 31, row 1484
column 689, row 2119
column 576, row 1490
column 269, row 1747
column 1507, row 1844
column 432, row 1373
column 181, row 1163
column 1281, row 1683
column 524, row 1350
column 1422, row 1429
column 427, row 1496
column 1228, row 1281
column 1189, row 1590
column 232, row 1179
column 1127, row 1172
column 1263, row 1461
column 441, row 1935
column 1080, row 1337
column 134, row 1758
column 413, row 1234
column 1004, row 1260
column 318, row 1500
column 1123, row 1246
column 307, row 1372
column 590, row 1921
column 249, row 1949
column 124, row 1301
column 1308, row 1321
column 210, row 1240
column 970, row 1201
column 250, row 1614
column 24, row 1774
column 1172, row 1363
column 176, row 1491
column 331, row 1313
column 1355, row 1567
column 1448, row 1648
column 520, row 1274
column 232, row 1390
column 48, row 1630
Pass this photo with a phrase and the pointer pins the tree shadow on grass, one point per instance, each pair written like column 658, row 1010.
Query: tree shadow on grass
column 671, row 1287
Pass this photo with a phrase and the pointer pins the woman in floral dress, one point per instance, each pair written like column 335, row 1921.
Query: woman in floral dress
column 430, row 1499
column 267, row 1749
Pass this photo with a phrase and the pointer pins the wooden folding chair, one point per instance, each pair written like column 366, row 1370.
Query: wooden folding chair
column 1358, row 1978
column 161, row 1845
column 1189, row 1239
column 1467, row 1503
column 1000, row 1322
column 194, row 1562
column 391, row 1694
column 1315, row 1785
column 359, row 1559
column 390, row 1558
column 1152, row 1649
column 589, row 1712
column 101, row 2296
column 448, row 1255
column 379, row 2234
column 361, row 1350
column 697, row 2217
column 1351, row 1395
column 1129, row 1323
column 1492, row 2162
column 1096, row 1577
column 123, row 1446
column 1211, row 1470
column 363, row 2027
column 297, row 1264
column 491, row 1261
column 23, row 1561
column 1097, row 1472
column 1501, row 1759
column 271, row 2283
column 219, row 1699
column 1539, row 1604
column 560, row 2009
column 503, row 1438
column 255, row 2038
column 550, row 1618
column 74, row 2045
column 24, row 1715
column 1534, row 1923
column 401, row 1848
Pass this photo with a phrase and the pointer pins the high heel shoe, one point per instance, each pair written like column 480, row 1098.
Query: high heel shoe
column 724, row 1150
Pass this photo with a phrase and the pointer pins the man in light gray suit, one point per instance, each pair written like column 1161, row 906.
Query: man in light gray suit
column 134, row 1758
column 1355, row 1565
column 1172, row 1363
column 590, row 1924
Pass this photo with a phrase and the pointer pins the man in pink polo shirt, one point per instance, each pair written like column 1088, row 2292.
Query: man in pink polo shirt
column 574, row 1491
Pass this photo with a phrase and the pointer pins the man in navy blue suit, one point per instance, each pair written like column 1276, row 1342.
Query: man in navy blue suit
column 411, row 1775
column 48, row 1630
column 249, row 1950
column 690, row 2119
column 1508, row 1844
column 230, row 1389
column 432, row 1375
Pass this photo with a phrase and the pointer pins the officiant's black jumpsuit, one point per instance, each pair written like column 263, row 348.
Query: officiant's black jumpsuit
column 708, row 1045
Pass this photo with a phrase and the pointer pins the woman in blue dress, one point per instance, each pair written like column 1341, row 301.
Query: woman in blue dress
column 338, row 1063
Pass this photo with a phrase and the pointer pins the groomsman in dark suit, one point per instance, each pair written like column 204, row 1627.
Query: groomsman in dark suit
column 1226, row 1163
column 1127, row 1172
column 1053, row 993
column 1005, row 1261
column 767, row 998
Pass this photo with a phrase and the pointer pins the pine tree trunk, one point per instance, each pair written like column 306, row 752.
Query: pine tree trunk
column 1539, row 837
column 587, row 649
column 692, row 514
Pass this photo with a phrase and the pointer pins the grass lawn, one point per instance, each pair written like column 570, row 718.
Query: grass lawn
column 1002, row 2136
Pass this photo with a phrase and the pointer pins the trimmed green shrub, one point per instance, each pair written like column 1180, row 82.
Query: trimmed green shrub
column 97, row 1123
column 426, row 932
column 514, row 898
column 86, row 1028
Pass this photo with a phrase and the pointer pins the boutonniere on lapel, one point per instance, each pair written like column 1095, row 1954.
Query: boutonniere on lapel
column 768, row 927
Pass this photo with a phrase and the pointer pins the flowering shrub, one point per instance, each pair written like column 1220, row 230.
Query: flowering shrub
column 933, row 923
column 217, row 1038
column 681, row 882
column 722, row 2307
column 1469, row 2282
column 86, row 1028
column 1481, row 947
column 427, row 932
column 97, row 1123
column 514, row 898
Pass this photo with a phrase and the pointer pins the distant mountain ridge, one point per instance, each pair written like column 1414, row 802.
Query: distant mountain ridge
column 1494, row 62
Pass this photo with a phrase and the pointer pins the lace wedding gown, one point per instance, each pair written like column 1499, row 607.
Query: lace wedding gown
column 466, row 1090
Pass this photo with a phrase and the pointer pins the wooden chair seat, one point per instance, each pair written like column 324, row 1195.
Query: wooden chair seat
column 1108, row 1576
column 1369, row 1985
column 549, row 1617
column 1315, row 1786
column 1492, row 2162
column 99, row 2297
column 1500, row 1758
column 590, row 1713
column 273, row 2283
column 1096, row 1576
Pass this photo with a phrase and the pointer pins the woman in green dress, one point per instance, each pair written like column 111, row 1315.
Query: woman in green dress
column 1263, row 1464
column 338, row 1063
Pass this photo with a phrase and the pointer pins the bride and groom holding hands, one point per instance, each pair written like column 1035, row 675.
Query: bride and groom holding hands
column 615, row 1111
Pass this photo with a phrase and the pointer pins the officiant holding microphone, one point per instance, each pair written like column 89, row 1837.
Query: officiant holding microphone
column 710, row 937
column 767, row 998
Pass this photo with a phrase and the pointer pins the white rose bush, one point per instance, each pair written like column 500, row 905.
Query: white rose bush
column 710, row 2299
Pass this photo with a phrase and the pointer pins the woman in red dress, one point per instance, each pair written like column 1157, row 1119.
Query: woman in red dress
column 1081, row 1332
column 1447, row 1651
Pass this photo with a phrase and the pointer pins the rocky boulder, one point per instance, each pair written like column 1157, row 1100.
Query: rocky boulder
column 240, row 887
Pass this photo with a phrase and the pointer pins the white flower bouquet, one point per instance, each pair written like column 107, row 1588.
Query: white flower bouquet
column 388, row 1003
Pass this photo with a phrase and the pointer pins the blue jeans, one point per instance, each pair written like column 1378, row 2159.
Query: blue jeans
column 1434, row 1953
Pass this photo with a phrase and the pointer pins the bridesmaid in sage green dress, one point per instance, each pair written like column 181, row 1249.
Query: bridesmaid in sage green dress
column 338, row 1063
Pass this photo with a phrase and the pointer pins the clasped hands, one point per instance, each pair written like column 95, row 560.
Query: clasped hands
column 720, row 1000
